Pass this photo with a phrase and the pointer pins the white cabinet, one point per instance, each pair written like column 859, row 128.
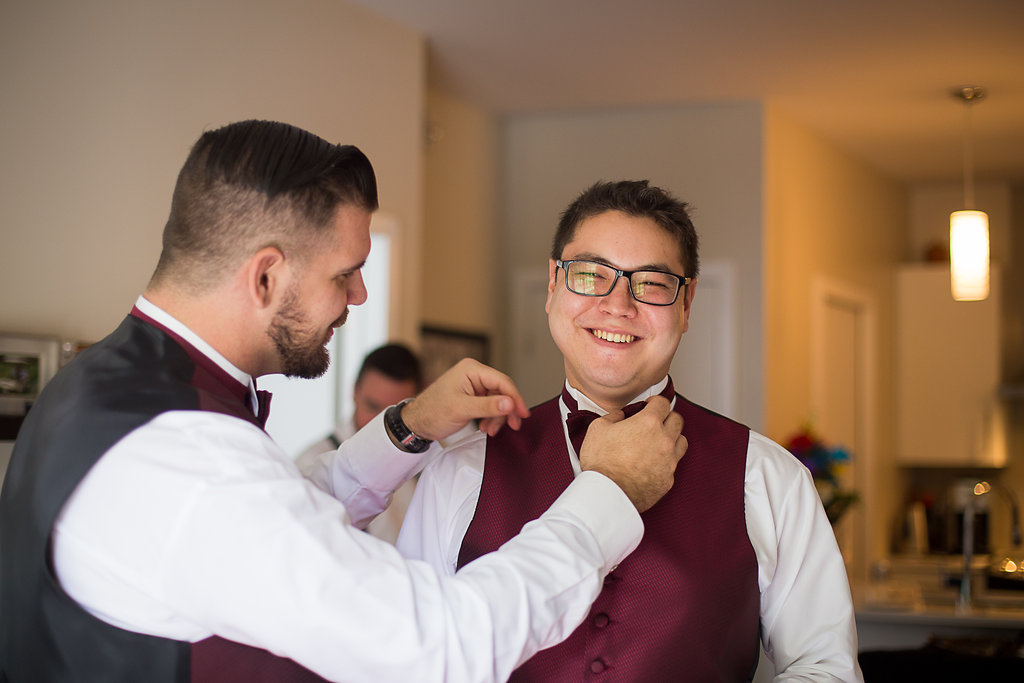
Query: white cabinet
column 947, row 373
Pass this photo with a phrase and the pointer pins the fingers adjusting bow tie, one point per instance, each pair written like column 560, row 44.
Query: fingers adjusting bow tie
column 578, row 421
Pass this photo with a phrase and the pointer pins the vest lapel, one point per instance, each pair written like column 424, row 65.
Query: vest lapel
column 219, row 391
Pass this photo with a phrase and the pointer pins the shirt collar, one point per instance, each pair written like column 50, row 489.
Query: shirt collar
column 585, row 403
column 170, row 322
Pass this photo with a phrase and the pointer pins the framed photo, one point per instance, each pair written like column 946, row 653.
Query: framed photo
column 441, row 348
column 26, row 364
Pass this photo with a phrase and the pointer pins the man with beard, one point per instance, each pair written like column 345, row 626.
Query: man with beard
column 152, row 531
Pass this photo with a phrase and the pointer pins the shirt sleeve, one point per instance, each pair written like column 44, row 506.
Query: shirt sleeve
column 808, row 627
column 198, row 524
column 365, row 470
column 443, row 505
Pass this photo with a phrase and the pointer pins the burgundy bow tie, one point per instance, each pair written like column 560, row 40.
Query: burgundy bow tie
column 578, row 421
column 264, row 410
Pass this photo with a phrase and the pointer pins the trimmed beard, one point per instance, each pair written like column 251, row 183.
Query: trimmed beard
column 303, row 351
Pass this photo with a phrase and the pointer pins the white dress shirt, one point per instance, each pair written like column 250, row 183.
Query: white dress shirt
column 388, row 523
column 198, row 524
column 807, row 618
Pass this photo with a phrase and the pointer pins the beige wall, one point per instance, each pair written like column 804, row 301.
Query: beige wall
column 102, row 100
column 460, row 221
column 828, row 216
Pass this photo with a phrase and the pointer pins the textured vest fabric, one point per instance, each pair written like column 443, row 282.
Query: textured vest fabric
column 110, row 389
column 684, row 606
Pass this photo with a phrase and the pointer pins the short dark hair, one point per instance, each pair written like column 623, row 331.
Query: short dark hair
column 396, row 361
column 253, row 184
column 634, row 198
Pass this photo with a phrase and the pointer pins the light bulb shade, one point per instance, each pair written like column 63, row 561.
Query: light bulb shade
column 968, row 255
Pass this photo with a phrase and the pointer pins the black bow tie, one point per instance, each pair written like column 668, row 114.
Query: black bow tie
column 578, row 421
column 263, row 397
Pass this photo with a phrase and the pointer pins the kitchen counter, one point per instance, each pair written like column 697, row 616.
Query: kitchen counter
column 879, row 629
column 934, row 615
column 912, row 603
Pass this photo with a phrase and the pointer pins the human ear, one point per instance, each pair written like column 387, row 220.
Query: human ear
column 265, row 276
column 552, row 277
column 691, row 289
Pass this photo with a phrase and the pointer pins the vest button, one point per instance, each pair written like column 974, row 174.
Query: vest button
column 601, row 620
column 598, row 666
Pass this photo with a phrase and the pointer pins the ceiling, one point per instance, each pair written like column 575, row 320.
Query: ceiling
column 874, row 77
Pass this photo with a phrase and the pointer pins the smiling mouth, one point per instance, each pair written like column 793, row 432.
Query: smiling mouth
column 613, row 336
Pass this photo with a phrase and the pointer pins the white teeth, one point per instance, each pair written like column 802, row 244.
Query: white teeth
column 613, row 336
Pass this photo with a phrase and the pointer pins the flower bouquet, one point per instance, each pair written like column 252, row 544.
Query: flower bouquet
column 825, row 465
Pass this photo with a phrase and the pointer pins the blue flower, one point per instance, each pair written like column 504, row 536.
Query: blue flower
column 824, row 464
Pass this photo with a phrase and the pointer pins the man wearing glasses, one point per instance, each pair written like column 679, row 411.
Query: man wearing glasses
column 738, row 552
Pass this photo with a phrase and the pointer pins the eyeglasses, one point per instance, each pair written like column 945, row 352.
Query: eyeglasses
column 590, row 278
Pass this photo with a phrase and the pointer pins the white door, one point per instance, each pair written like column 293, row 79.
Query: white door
column 842, row 390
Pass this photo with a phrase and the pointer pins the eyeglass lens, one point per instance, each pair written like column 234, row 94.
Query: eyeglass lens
column 597, row 279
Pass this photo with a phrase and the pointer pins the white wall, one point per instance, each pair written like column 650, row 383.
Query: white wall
column 709, row 156
column 103, row 98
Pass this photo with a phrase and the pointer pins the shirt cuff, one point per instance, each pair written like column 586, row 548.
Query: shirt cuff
column 606, row 511
column 369, row 467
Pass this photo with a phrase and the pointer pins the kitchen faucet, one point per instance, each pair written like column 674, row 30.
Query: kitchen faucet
column 980, row 489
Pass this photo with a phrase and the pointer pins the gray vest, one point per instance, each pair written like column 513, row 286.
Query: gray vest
column 110, row 389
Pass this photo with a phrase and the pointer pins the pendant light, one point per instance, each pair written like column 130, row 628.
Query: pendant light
column 968, row 229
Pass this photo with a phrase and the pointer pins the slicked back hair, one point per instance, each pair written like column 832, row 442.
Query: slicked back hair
column 636, row 198
column 254, row 184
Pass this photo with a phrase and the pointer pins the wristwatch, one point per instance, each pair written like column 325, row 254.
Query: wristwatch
column 403, row 436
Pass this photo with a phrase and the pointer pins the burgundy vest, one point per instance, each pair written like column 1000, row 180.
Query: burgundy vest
column 112, row 388
column 685, row 605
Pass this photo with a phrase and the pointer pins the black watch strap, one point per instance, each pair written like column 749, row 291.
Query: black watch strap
column 404, row 436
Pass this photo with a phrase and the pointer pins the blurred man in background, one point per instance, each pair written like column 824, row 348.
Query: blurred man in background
column 389, row 375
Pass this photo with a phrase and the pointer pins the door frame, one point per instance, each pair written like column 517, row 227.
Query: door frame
column 853, row 533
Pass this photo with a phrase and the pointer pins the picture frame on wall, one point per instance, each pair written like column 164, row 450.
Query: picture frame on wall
column 27, row 363
column 443, row 347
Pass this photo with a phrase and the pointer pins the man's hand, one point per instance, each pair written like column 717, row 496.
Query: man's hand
column 468, row 391
column 639, row 453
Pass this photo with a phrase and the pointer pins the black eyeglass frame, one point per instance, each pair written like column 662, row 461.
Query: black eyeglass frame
column 684, row 282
